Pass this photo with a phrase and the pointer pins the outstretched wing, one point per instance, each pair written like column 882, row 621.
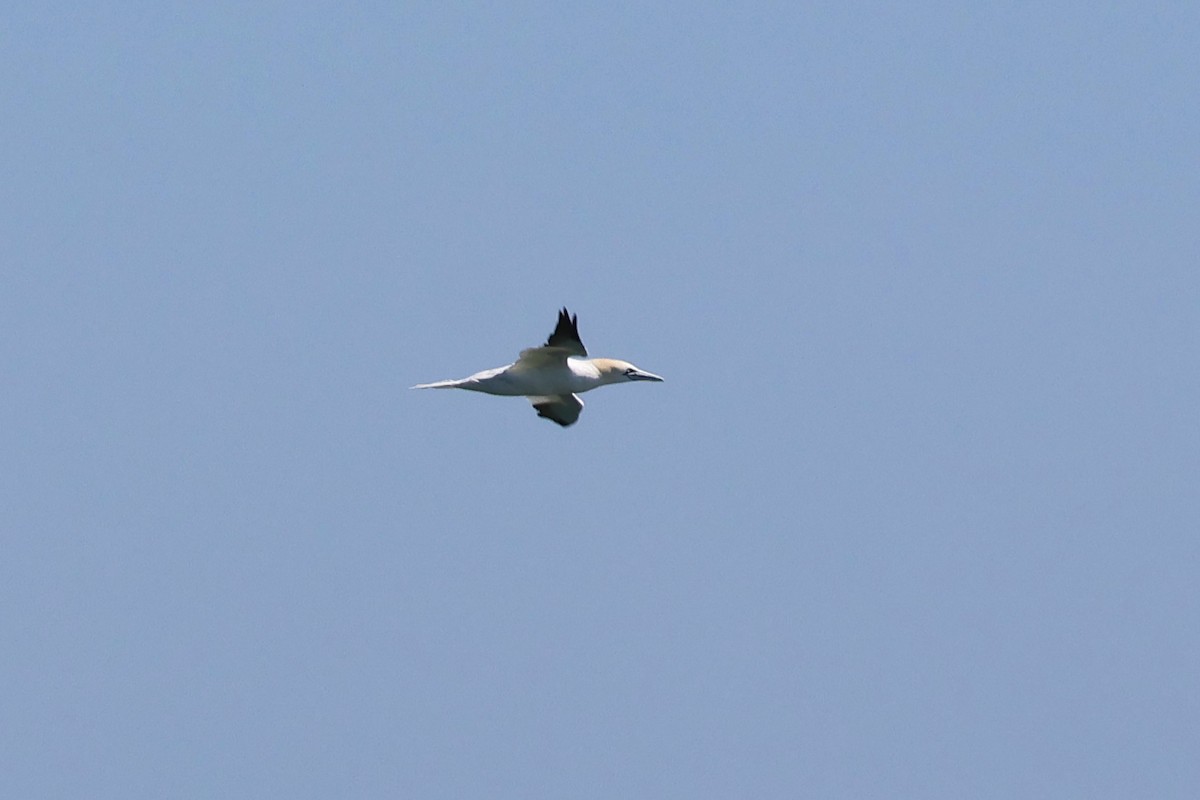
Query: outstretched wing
column 561, row 408
column 562, row 343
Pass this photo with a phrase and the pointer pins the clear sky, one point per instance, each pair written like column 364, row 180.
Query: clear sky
column 914, row 515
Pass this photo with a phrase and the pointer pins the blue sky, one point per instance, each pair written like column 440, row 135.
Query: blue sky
column 914, row 514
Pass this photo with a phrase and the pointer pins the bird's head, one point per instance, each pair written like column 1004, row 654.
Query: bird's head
column 614, row 371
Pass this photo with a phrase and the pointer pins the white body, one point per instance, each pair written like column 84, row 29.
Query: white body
column 572, row 376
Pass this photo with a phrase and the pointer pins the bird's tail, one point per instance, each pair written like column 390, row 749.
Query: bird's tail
column 440, row 385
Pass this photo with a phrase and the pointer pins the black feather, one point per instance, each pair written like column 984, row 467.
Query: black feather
column 542, row 411
column 566, row 333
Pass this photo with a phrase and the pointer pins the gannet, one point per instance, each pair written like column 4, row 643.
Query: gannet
column 551, row 376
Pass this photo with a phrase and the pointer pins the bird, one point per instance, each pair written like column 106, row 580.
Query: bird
column 551, row 376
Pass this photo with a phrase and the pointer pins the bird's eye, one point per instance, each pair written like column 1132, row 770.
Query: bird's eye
column 630, row 371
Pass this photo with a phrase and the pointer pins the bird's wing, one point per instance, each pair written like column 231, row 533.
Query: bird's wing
column 564, row 342
column 538, row 357
column 566, row 335
column 561, row 408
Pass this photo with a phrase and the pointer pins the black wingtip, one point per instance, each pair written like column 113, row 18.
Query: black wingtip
column 542, row 412
column 566, row 331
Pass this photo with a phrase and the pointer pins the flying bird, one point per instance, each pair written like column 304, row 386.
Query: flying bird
column 551, row 376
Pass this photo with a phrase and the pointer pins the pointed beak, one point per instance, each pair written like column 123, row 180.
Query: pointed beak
column 642, row 375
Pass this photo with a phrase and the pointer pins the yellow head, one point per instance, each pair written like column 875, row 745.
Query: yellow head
column 615, row 371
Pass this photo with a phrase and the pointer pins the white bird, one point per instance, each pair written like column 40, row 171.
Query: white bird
column 551, row 376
